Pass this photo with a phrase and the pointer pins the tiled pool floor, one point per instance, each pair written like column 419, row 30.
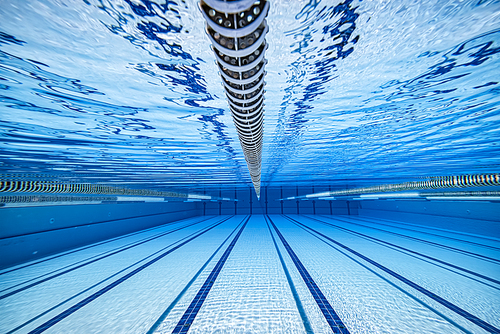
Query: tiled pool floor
column 262, row 274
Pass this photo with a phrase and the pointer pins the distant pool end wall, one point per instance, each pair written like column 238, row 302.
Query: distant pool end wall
column 248, row 203
column 28, row 233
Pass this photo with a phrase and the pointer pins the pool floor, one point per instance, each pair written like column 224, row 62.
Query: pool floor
column 262, row 274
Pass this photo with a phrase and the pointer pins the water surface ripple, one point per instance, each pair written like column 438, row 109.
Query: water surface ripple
column 358, row 92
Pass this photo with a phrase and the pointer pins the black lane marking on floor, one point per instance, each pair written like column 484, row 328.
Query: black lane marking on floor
column 98, row 283
column 298, row 302
column 428, row 233
column 92, row 259
column 472, row 318
column 82, row 225
column 457, row 250
column 82, row 303
column 470, row 235
column 43, row 280
column 386, row 244
column 97, row 244
column 421, row 302
column 188, row 317
column 188, row 285
column 331, row 316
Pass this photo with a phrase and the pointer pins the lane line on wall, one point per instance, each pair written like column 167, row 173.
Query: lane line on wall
column 453, row 249
column 398, row 223
column 432, row 234
column 43, row 280
column 401, row 249
column 91, row 224
column 90, row 260
column 95, row 245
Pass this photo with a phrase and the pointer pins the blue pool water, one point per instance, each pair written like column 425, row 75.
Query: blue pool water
column 121, row 102
column 365, row 91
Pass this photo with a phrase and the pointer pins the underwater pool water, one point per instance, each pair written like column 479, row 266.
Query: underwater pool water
column 358, row 92
column 121, row 102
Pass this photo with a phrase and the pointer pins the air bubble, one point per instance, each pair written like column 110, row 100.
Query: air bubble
column 211, row 12
column 249, row 18
column 256, row 10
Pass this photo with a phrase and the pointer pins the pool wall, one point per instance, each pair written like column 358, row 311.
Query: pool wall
column 269, row 203
column 28, row 233
column 476, row 217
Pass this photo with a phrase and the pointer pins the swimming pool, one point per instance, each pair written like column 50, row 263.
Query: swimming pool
column 128, row 207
